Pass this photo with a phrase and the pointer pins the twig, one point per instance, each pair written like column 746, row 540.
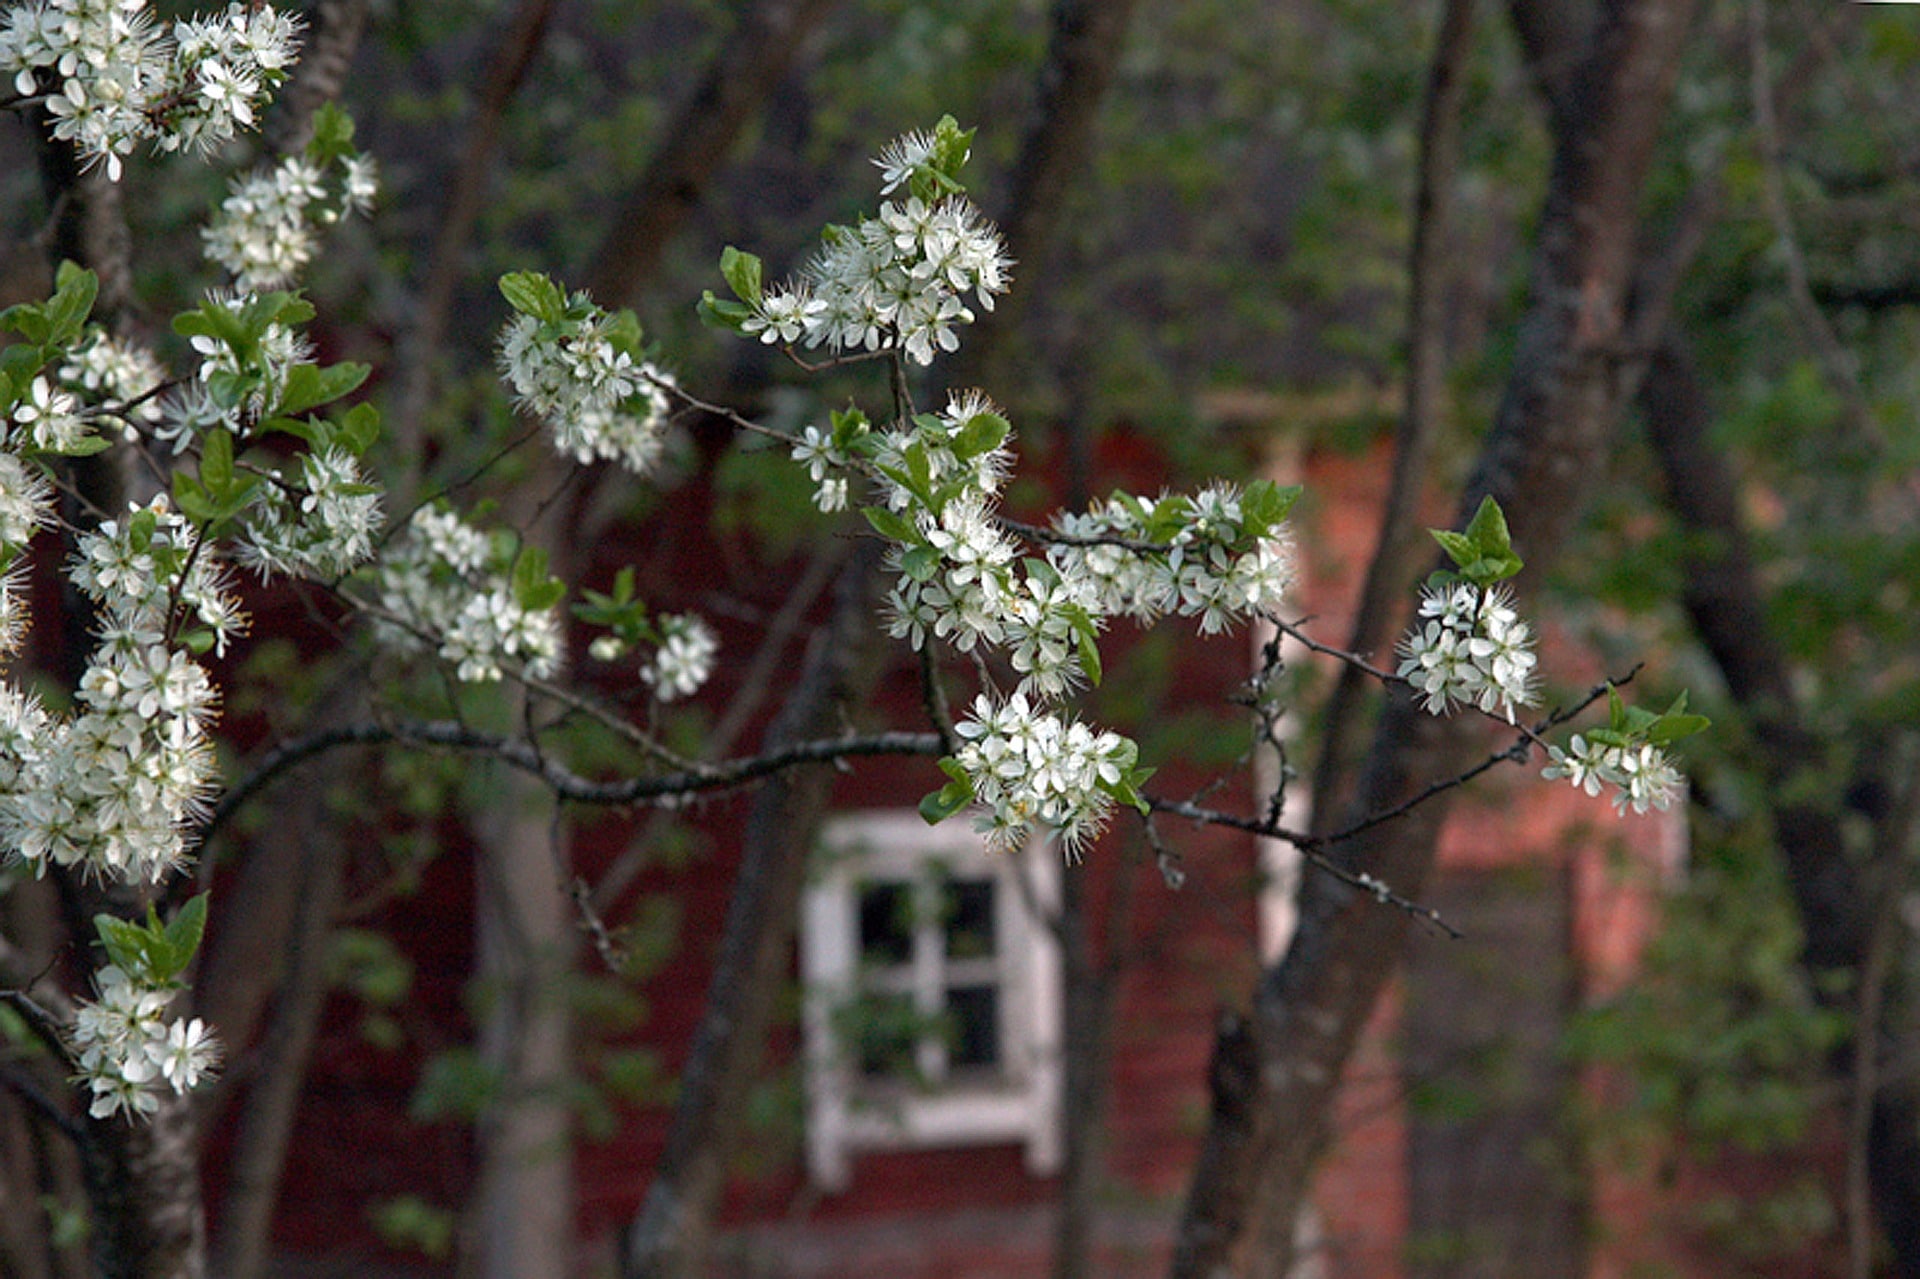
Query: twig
column 44, row 1025
column 29, row 1091
column 664, row 789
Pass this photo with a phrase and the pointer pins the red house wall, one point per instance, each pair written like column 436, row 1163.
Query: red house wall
column 958, row 1212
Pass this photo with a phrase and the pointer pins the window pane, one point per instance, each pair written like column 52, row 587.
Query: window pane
column 886, row 924
column 887, row 1031
column 969, row 916
column 974, row 1014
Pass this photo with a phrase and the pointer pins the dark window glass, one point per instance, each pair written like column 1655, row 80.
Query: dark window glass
column 886, row 924
column 969, row 916
column 973, row 1013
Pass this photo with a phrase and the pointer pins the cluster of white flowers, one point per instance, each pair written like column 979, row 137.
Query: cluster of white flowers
column 126, row 1049
column 1028, row 765
column 1213, row 566
column 1473, row 649
column 116, row 788
column 684, row 660
column 961, row 579
column 600, row 401
column 114, row 77
column 442, row 583
column 895, row 282
column 319, row 527
column 26, row 494
column 117, row 377
column 1643, row 776
column 268, row 227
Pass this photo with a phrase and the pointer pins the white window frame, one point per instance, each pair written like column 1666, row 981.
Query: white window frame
column 847, row 1113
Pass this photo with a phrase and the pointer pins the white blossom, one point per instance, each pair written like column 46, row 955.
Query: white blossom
column 1643, row 775
column 684, row 661
column 1471, row 649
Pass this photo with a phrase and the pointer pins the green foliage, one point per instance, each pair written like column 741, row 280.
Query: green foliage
column 455, row 1084
column 154, row 954
column 1720, row 1042
column 1483, row 554
column 410, row 1223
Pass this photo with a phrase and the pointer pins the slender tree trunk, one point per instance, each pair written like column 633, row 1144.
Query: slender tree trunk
column 311, row 854
column 1397, row 553
column 523, row 1208
column 1549, row 439
column 749, row 65
column 144, row 1188
column 669, row 1238
column 670, row 1234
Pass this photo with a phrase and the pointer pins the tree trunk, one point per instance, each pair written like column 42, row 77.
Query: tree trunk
column 143, row 1185
column 1549, row 439
column 670, row 1236
column 523, row 1207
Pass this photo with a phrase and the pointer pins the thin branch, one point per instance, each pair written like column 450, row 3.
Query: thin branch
column 1315, row 848
column 29, row 1091
column 664, row 789
column 44, row 1025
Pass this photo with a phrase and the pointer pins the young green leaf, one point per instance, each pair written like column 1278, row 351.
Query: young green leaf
column 742, row 272
column 531, row 293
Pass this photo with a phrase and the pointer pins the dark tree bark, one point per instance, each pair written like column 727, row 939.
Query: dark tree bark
column 1549, row 438
column 507, row 70
column 1835, row 895
column 736, row 85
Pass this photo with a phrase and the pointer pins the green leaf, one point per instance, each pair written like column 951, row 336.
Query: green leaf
column 125, row 943
column 216, row 462
column 743, row 274
column 309, row 386
column 891, row 524
column 141, row 526
column 939, row 805
column 85, row 446
column 1089, row 653
column 920, row 562
column 74, row 291
column 848, row 428
column 183, row 933
column 1264, row 505
column 979, row 434
column 357, row 429
column 1488, row 528
column 623, row 330
column 532, row 293
column 951, row 147
column 1458, row 546
column 192, row 499
column 534, row 588
column 29, row 320
column 722, row 313
column 312, row 430
column 332, row 135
